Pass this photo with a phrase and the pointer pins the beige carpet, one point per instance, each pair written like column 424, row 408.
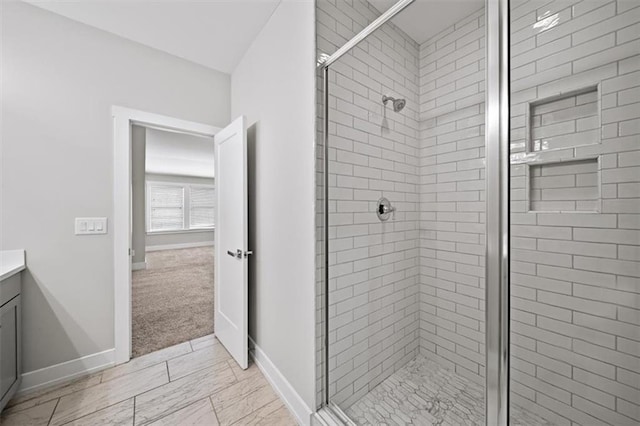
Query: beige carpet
column 172, row 299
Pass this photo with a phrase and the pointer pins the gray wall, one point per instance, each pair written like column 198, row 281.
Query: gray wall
column 60, row 79
column 190, row 237
column 156, row 241
column 138, row 192
column 273, row 86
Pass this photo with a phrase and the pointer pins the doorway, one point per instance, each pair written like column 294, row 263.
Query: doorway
column 231, row 216
column 173, row 224
column 126, row 123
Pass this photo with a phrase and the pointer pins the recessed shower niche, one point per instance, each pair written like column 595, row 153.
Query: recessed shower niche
column 559, row 178
column 564, row 121
column 566, row 186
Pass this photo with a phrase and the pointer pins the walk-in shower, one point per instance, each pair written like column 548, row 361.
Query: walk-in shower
column 479, row 249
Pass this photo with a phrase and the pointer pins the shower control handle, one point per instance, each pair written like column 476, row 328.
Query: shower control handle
column 384, row 209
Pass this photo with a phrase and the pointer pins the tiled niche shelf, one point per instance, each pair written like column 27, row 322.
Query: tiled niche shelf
column 565, row 186
column 564, row 121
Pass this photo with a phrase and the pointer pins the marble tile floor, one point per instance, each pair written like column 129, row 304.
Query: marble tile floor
column 193, row 383
column 425, row 393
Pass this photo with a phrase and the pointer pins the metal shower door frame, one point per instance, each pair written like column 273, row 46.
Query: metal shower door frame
column 497, row 202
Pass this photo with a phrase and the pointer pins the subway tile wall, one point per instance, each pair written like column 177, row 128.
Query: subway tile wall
column 575, row 276
column 452, row 218
column 374, row 265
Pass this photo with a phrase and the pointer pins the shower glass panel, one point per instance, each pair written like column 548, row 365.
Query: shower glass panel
column 406, row 213
column 575, row 211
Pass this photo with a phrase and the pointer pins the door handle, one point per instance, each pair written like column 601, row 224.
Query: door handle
column 239, row 253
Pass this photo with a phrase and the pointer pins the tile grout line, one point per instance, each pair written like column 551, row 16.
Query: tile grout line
column 215, row 413
column 97, row 411
column 70, row 383
column 110, row 405
column 77, row 379
column 210, row 396
column 261, row 407
column 53, row 412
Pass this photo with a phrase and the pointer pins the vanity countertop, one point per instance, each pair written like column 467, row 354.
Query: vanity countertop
column 11, row 262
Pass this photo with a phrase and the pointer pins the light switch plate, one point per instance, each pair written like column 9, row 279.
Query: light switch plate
column 91, row 225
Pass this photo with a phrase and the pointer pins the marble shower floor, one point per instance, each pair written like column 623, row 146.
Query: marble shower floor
column 193, row 383
column 424, row 393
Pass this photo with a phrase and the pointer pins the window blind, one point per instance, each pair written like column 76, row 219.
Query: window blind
column 201, row 207
column 166, row 211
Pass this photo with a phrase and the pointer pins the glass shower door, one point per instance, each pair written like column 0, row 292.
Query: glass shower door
column 406, row 214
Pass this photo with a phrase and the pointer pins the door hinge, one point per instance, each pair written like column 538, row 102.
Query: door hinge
column 132, row 252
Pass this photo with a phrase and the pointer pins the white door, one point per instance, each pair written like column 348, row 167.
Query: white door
column 231, row 272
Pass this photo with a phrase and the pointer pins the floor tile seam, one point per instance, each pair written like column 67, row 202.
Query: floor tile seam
column 60, row 386
column 53, row 389
column 215, row 413
column 234, row 373
column 245, row 396
column 53, row 412
column 88, row 414
column 181, row 406
column 250, row 393
column 259, row 408
column 145, row 367
column 155, row 419
column 80, row 390
column 199, row 369
column 97, row 411
column 204, row 347
column 164, row 384
column 117, row 402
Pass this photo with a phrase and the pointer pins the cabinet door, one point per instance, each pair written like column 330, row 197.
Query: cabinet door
column 9, row 356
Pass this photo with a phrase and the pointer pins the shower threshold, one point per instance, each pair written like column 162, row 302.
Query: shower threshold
column 425, row 393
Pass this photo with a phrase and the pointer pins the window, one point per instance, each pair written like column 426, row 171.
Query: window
column 201, row 207
column 179, row 207
column 166, row 207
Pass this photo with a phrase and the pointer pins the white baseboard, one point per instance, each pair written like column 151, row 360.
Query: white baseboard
column 179, row 246
column 292, row 400
column 66, row 371
column 137, row 266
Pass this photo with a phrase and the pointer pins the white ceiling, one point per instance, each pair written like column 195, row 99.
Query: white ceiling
column 213, row 33
column 217, row 33
column 170, row 153
column 425, row 18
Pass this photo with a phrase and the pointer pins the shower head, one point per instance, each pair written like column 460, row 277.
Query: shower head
column 398, row 104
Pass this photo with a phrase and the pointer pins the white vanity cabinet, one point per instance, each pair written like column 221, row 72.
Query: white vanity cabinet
column 10, row 334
